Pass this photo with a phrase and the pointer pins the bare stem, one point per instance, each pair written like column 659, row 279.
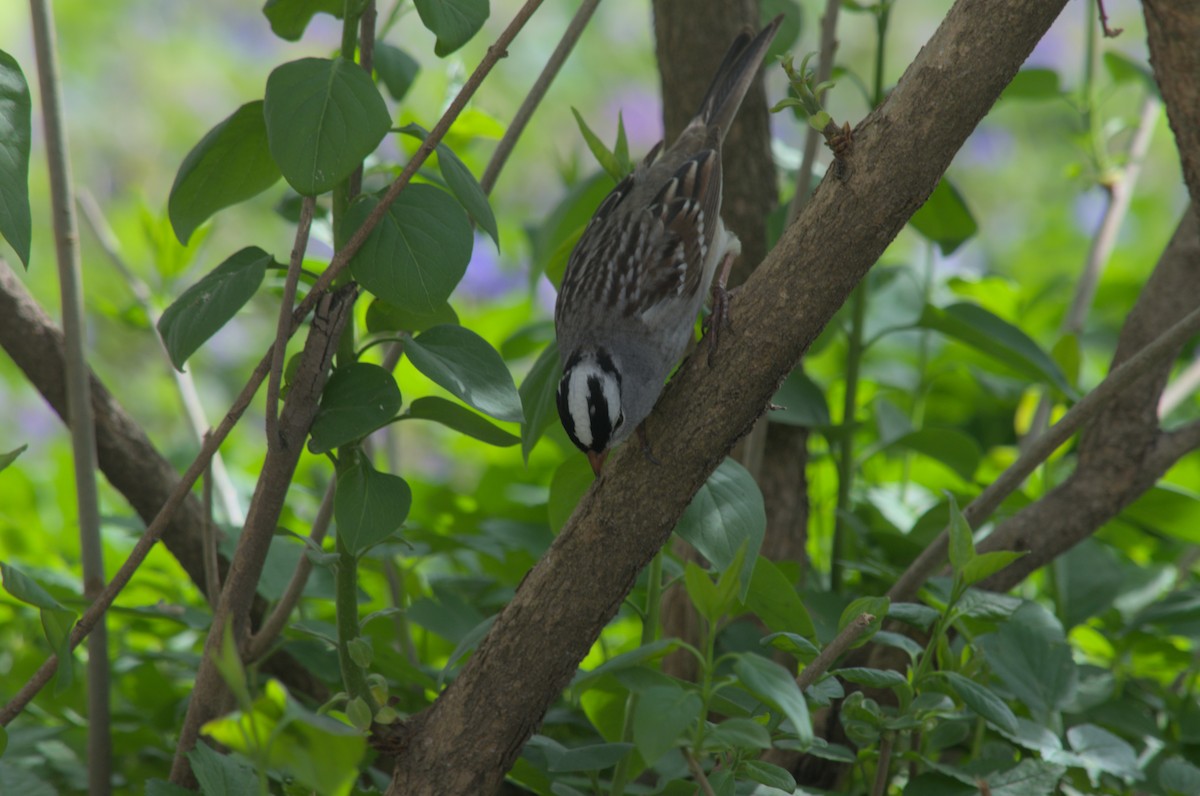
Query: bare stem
column 283, row 328
column 536, row 93
column 979, row 509
column 834, row 650
column 698, row 772
column 79, row 393
column 824, row 70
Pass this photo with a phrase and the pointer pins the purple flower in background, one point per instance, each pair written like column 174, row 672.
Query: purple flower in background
column 546, row 295
column 485, row 278
column 989, row 146
column 642, row 114
column 1088, row 210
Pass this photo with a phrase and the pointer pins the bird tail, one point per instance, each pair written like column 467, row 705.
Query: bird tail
column 734, row 76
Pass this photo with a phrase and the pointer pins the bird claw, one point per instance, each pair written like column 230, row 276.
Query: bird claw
column 719, row 318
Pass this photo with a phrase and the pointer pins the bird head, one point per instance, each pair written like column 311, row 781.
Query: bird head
column 589, row 403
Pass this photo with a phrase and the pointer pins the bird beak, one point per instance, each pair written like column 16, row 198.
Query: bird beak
column 596, row 459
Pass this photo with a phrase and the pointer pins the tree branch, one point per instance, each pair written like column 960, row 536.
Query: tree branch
column 467, row 740
column 1173, row 32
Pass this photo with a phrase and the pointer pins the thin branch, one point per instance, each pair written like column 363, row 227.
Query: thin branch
column 698, row 773
column 79, row 393
column 283, row 327
column 979, row 509
column 882, row 767
column 1109, row 33
column 536, row 93
column 212, row 572
column 260, row 643
column 184, row 382
column 834, row 650
column 824, row 70
column 1183, row 387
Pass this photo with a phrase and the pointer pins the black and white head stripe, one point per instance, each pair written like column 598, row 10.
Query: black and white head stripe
column 589, row 400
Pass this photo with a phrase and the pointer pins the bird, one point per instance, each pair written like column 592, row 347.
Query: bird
column 638, row 276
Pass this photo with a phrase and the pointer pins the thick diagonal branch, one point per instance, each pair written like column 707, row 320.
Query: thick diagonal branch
column 475, row 730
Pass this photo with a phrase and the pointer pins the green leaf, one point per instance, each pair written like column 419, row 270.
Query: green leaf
column 725, row 514
column 15, row 218
column 945, row 218
column 462, row 420
column 358, row 399
column 396, row 68
column 369, row 506
column 1178, row 777
column 321, row 754
column 737, row 733
column 538, row 393
column 26, row 589
column 981, row 700
column 789, row 31
column 596, row 757
column 417, row 253
column 1169, row 509
column 976, row 327
column 773, row 599
column 222, row 775
column 1029, row 653
column 1098, row 751
column 802, row 402
column 664, row 714
column 953, row 448
column 1028, row 778
column 873, row 678
column 768, row 774
column 57, row 624
column 385, row 317
column 229, row 665
column 462, row 183
column 962, row 540
column 323, row 117
column 1123, row 69
column 607, row 160
column 794, row 644
column 985, row 565
column 1033, row 84
column 704, row 594
column 774, row 686
column 231, row 163
column 8, row 458
column 454, row 22
column 570, row 481
column 289, row 18
column 915, row 614
column 465, row 364
column 212, row 302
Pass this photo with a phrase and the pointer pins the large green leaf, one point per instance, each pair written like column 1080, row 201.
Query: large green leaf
column 1098, row 751
column 9, row 457
column 385, row 317
column 726, row 514
column 357, row 399
column 554, row 238
column 570, row 481
column 15, row 219
column 664, row 713
column 396, row 68
column 463, row 420
column 209, row 304
column 222, row 775
column 418, row 252
column 289, row 18
column 1029, row 653
column 323, row 117
column 1033, row 84
column 595, row 757
column 801, row 402
column 538, row 393
column 773, row 685
column 454, row 22
column 980, row 329
column 1030, row 777
column 945, row 218
column 465, row 364
column 774, row 600
column 369, row 506
column 462, row 183
column 981, row 700
column 231, row 163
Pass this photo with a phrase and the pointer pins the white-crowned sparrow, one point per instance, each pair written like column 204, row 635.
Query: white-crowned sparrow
column 640, row 272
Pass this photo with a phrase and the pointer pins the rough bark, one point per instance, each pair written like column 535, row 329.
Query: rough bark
column 469, row 738
column 1173, row 32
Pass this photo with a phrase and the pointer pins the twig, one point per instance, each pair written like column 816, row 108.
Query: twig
column 79, row 392
column 882, row 768
column 283, row 327
column 536, row 93
column 979, row 509
column 834, row 650
column 208, row 541
column 260, row 643
column 1109, row 33
column 698, row 773
column 824, row 70
column 184, row 382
